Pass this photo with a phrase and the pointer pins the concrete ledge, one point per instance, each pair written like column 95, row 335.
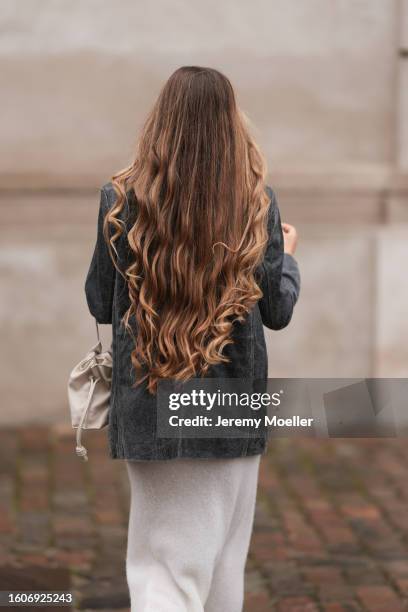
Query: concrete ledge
column 364, row 196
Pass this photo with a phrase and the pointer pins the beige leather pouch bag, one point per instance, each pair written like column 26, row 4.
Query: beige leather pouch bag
column 89, row 388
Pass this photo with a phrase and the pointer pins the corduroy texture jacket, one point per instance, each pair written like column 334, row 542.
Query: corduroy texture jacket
column 132, row 428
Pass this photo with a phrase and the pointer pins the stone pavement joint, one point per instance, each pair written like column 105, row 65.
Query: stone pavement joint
column 330, row 531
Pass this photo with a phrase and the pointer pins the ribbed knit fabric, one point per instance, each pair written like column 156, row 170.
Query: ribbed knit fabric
column 190, row 525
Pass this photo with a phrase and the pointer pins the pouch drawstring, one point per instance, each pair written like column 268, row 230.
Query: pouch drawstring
column 80, row 449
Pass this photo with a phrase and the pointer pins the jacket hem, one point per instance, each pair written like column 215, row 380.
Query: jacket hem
column 259, row 449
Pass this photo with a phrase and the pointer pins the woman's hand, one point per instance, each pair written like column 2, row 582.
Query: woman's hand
column 290, row 238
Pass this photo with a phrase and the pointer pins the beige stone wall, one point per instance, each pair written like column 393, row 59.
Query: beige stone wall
column 326, row 86
column 317, row 78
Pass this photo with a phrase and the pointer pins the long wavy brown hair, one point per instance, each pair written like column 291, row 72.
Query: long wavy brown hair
column 199, row 228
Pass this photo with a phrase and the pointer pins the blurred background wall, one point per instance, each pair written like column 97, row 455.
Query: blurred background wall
column 326, row 87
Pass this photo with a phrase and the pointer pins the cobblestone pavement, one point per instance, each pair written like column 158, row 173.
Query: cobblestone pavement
column 331, row 528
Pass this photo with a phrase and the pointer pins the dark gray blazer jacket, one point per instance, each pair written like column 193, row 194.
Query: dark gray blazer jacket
column 132, row 414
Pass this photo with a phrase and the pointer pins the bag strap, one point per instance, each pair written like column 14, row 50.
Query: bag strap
column 97, row 333
column 97, row 330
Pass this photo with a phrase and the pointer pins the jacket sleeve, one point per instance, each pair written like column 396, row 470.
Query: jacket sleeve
column 100, row 279
column 279, row 275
